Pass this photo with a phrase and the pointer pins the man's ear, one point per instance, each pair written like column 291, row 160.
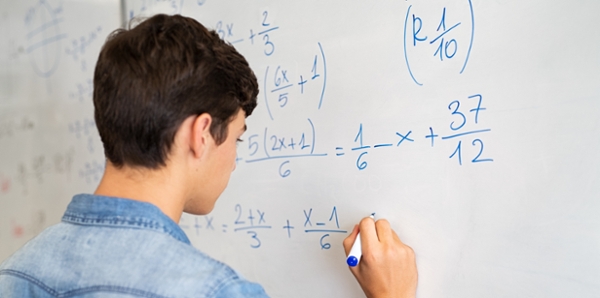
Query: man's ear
column 200, row 134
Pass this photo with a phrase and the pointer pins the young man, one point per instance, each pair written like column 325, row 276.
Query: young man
column 170, row 101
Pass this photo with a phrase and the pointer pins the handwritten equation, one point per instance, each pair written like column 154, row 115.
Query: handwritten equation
column 260, row 36
column 83, row 91
column 84, row 129
column 253, row 224
column 273, row 144
column 457, row 132
column 282, row 87
column 448, row 36
column 12, row 127
column 92, row 171
column 35, row 170
column 286, row 146
column 80, row 46
column 44, row 37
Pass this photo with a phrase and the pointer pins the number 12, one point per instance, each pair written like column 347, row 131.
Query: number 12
column 458, row 152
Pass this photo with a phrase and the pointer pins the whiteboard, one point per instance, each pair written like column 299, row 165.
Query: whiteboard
column 49, row 145
column 472, row 126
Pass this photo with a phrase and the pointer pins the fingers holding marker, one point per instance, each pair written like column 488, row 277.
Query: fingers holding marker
column 365, row 233
column 384, row 231
column 373, row 238
column 348, row 241
column 387, row 267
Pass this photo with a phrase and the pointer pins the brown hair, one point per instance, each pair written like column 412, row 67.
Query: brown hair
column 149, row 79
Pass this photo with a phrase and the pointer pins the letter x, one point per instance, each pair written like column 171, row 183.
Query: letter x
column 307, row 217
column 404, row 138
column 209, row 223
column 262, row 216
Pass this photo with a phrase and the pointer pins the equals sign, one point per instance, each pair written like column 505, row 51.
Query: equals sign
column 224, row 228
column 339, row 151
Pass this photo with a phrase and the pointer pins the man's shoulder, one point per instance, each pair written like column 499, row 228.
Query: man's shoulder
column 65, row 257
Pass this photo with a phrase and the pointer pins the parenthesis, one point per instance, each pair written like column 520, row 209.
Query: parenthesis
column 324, row 75
column 472, row 36
column 405, row 53
column 265, row 91
column 265, row 143
column 312, row 149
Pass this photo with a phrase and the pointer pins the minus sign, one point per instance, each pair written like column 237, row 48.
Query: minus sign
column 320, row 224
column 383, row 145
column 237, row 41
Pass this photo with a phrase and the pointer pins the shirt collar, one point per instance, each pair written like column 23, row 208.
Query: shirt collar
column 87, row 209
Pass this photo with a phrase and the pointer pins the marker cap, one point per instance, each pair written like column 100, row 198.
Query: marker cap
column 352, row 261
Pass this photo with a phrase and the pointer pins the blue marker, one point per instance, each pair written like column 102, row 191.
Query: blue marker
column 356, row 250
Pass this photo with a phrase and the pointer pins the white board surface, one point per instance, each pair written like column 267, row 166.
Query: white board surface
column 49, row 145
column 472, row 126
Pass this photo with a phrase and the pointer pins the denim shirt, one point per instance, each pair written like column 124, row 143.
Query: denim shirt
column 112, row 247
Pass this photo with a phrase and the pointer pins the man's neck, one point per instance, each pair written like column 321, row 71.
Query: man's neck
column 160, row 187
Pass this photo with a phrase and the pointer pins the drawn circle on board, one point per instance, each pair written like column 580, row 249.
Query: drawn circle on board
column 43, row 38
column 448, row 36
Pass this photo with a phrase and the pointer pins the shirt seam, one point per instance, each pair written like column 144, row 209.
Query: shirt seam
column 119, row 222
column 224, row 283
column 31, row 279
column 80, row 291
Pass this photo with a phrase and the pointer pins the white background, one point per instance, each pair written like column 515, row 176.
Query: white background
column 523, row 225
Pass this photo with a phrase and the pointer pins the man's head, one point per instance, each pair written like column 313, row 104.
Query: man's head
column 151, row 78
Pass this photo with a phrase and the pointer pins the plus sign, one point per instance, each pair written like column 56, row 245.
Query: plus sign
column 288, row 227
column 301, row 83
column 197, row 226
column 431, row 136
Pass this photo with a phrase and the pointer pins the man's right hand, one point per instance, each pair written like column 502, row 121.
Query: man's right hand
column 387, row 267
